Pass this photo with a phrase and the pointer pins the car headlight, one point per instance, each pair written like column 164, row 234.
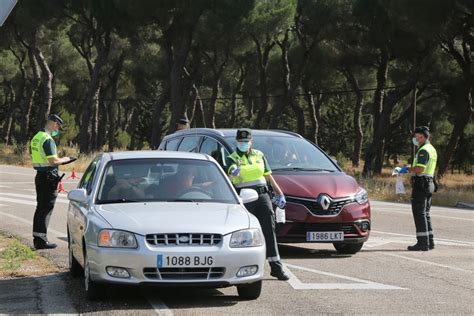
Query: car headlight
column 246, row 238
column 116, row 239
column 362, row 196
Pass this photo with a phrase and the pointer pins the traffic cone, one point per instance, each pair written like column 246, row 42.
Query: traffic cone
column 73, row 175
column 60, row 187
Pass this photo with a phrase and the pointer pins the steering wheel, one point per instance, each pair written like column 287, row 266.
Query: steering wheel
column 195, row 189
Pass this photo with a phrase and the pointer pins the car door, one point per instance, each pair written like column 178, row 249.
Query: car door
column 77, row 221
column 216, row 150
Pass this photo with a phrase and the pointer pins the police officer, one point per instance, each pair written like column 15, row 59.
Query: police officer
column 423, row 186
column 248, row 168
column 45, row 161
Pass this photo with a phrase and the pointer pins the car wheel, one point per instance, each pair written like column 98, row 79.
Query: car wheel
column 348, row 249
column 250, row 291
column 74, row 267
column 94, row 291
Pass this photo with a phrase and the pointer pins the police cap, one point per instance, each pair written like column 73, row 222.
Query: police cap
column 55, row 118
column 244, row 134
column 423, row 130
column 183, row 121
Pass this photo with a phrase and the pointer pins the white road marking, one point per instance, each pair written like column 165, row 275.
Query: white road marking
column 25, row 196
column 436, row 239
column 361, row 285
column 374, row 242
column 428, row 262
column 434, row 208
column 159, row 306
column 18, row 173
column 32, row 182
column 29, row 223
column 432, row 215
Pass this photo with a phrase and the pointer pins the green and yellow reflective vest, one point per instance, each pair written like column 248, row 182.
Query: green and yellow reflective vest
column 252, row 166
column 429, row 163
column 39, row 158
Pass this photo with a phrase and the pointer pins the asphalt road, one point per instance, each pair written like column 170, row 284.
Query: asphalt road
column 383, row 278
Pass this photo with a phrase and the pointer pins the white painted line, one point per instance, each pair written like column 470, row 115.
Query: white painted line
column 361, row 285
column 440, row 239
column 159, row 306
column 18, row 173
column 32, row 182
column 432, row 215
column 29, row 223
column 408, row 206
column 428, row 262
column 24, row 196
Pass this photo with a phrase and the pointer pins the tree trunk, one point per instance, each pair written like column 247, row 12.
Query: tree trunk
column 358, row 134
column 314, row 115
column 211, row 110
column 113, row 105
column 156, row 118
column 263, row 58
column 10, row 98
column 47, row 87
column 30, row 95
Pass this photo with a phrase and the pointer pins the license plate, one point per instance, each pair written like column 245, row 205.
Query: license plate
column 165, row 261
column 324, row 236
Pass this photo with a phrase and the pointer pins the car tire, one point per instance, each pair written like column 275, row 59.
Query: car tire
column 75, row 268
column 348, row 249
column 250, row 291
column 94, row 291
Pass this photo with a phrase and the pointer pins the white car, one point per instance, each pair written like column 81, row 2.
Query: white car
column 164, row 218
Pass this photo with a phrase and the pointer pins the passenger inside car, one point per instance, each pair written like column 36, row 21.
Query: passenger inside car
column 127, row 183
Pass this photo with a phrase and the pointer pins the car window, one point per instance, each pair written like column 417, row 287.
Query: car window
column 159, row 180
column 190, row 144
column 88, row 177
column 214, row 149
column 284, row 152
column 173, row 144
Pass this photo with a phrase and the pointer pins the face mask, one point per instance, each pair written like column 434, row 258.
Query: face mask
column 243, row 146
column 54, row 133
column 414, row 141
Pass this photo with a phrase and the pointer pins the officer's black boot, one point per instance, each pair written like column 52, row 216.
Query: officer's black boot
column 432, row 245
column 417, row 247
column 278, row 272
column 40, row 243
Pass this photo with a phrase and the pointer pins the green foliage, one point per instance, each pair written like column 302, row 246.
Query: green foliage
column 15, row 254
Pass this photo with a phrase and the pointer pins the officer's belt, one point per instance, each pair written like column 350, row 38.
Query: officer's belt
column 423, row 175
column 260, row 189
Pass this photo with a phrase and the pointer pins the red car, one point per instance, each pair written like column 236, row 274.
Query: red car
column 324, row 204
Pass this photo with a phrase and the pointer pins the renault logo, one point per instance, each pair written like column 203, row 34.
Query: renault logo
column 325, row 201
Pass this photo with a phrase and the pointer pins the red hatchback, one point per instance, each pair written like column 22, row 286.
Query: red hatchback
column 324, row 204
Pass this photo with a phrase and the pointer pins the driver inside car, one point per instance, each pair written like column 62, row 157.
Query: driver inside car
column 281, row 155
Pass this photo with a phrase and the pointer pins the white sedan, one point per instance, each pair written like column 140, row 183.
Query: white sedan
column 164, row 218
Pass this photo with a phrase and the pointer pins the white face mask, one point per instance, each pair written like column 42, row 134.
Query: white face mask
column 414, row 141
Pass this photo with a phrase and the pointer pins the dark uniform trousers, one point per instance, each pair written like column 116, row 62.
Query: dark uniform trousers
column 263, row 211
column 422, row 190
column 46, row 183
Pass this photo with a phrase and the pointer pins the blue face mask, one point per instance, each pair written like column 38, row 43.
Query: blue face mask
column 243, row 146
column 54, row 133
column 414, row 141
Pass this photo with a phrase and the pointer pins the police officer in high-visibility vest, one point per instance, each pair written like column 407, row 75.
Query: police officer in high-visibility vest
column 45, row 161
column 248, row 168
column 423, row 186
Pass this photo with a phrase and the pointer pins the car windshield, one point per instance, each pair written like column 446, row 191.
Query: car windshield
column 290, row 153
column 164, row 180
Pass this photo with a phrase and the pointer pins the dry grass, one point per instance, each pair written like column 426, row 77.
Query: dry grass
column 18, row 260
column 453, row 188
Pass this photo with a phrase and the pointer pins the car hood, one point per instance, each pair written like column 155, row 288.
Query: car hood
column 173, row 217
column 311, row 184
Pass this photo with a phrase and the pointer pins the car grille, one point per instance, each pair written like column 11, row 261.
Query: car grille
column 301, row 229
column 183, row 273
column 184, row 239
column 315, row 207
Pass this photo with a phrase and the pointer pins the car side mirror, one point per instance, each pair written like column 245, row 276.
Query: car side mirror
column 248, row 195
column 77, row 195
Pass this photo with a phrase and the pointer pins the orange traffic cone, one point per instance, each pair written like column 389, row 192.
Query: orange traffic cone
column 60, row 187
column 73, row 175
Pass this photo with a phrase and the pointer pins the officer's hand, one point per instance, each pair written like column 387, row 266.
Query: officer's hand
column 235, row 172
column 281, row 201
column 404, row 169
